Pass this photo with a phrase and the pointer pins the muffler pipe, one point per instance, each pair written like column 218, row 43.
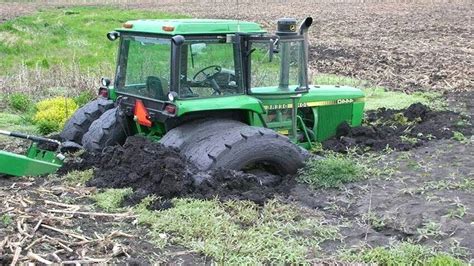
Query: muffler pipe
column 304, row 26
column 303, row 30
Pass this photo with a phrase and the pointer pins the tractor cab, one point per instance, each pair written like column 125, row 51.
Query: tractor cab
column 209, row 58
column 183, row 59
column 173, row 71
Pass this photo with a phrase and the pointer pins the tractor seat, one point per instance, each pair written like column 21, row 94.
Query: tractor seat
column 154, row 86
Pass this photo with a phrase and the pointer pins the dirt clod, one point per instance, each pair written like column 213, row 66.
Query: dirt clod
column 399, row 129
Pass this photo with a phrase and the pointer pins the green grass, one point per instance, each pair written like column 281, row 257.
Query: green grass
column 331, row 79
column 111, row 199
column 17, row 122
column 64, row 36
column 400, row 254
column 332, row 171
column 238, row 232
column 79, row 177
column 378, row 97
column 19, row 101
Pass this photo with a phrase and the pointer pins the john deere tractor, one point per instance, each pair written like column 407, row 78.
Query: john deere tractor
column 225, row 93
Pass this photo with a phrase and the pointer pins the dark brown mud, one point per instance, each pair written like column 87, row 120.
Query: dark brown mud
column 399, row 129
column 152, row 169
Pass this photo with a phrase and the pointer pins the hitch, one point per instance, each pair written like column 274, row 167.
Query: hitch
column 35, row 162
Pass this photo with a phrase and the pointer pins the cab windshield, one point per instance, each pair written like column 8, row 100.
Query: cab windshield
column 144, row 67
column 208, row 69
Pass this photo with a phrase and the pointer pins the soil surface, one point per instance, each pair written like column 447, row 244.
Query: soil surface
column 400, row 129
column 404, row 46
column 51, row 217
column 429, row 185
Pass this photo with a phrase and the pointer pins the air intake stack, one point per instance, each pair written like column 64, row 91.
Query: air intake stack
column 285, row 27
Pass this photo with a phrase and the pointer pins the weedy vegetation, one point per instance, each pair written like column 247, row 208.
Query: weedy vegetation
column 79, row 177
column 19, row 101
column 331, row 171
column 380, row 97
column 52, row 114
column 111, row 199
column 5, row 220
column 430, row 230
column 459, row 136
column 403, row 253
column 238, row 232
column 62, row 51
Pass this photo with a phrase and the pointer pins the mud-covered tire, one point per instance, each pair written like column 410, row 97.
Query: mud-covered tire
column 82, row 119
column 234, row 145
column 107, row 130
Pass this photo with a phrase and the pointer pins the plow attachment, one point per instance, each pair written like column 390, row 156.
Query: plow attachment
column 36, row 161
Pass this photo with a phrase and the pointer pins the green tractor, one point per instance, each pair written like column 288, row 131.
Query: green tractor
column 225, row 93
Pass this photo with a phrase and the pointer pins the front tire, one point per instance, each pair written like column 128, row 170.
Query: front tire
column 108, row 130
column 234, row 145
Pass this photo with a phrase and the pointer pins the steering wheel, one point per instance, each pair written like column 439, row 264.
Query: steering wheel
column 207, row 74
column 203, row 74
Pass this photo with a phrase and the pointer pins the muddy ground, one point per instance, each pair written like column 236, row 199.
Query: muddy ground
column 152, row 169
column 429, row 185
column 400, row 129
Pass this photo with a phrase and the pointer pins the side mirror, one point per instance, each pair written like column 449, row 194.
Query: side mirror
column 273, row 49
column 105, row 82
column 197, row 48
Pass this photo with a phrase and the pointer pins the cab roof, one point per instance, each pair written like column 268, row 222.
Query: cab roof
column 191, row 26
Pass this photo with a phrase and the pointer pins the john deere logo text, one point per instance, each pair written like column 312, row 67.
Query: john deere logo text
column 341, row 101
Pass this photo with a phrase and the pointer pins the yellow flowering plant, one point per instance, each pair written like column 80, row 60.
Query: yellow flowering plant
column 52, row 114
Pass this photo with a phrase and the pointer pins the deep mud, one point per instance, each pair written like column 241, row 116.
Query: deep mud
column 399, row 129
column 152, row 169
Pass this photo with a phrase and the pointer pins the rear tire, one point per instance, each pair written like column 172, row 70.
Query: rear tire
column 108, row 130
column 81, row 120
column 234, row 145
